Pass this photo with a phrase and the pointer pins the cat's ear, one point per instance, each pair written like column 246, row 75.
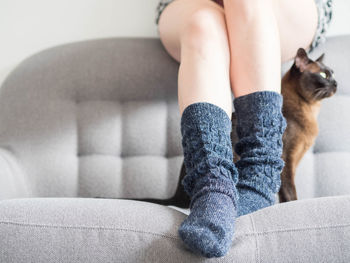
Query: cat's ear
column 301, row 59
column 320, row 59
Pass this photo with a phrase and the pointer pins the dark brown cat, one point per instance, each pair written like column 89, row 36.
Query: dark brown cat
column 303, row 87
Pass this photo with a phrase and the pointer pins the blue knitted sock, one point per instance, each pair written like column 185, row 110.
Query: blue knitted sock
column 260, row 127
column 210, row 179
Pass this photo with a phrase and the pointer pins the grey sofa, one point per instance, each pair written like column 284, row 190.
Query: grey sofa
column 100, row 118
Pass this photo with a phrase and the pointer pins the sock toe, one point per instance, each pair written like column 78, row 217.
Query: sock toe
column 203, row 240
column 207, row 232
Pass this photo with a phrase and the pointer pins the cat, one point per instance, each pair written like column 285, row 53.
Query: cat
column 303, row 86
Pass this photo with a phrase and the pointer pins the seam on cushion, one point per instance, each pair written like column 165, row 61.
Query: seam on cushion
column 77, row 144
column 87, row 228
column 123, row 149
column 9, row 165
column 297, row 229
column 11, row 169
column 167, row 130
column 257, row 252
column 174, row 237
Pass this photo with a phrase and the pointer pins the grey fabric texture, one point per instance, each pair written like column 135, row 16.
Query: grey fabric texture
column 100, row 118
column 45, row 230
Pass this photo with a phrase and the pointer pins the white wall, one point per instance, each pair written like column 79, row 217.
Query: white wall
column 28, row 26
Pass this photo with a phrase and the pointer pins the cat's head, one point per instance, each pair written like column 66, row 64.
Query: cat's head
column 316, row 80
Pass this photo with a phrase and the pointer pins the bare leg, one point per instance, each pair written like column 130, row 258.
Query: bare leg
column 259, row 40
column 194, row 32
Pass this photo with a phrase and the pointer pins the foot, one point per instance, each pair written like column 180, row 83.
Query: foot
column 210, row 180
column 209, row 228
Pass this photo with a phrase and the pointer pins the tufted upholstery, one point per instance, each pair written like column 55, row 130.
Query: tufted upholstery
column 100, row 118
column 97, row 118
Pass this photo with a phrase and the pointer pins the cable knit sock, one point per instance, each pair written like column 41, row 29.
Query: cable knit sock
column 210, row 179
column 260, row 127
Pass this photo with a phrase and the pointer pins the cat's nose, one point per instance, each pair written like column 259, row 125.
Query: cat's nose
column 335, row 84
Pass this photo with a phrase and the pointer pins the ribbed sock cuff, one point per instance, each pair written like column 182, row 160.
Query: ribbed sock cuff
column 259, row 101
column 204, row 115
column 259, row 110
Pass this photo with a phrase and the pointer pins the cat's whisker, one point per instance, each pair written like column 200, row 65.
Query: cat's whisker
column 320, row 93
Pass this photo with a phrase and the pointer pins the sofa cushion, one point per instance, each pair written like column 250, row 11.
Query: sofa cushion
column 47, row 230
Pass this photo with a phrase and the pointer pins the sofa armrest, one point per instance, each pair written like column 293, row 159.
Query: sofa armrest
column 13, row 183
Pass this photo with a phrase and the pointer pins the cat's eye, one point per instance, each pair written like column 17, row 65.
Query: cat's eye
column 324, row 75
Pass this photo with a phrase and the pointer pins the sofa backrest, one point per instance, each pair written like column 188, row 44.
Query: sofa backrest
column 99, row 118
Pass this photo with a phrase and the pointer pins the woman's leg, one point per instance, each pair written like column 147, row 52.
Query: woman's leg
column 258, row 43
column 194, row 33
column 198, row 28
column 262, row 34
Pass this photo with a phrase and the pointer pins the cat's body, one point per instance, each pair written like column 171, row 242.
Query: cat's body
column 302, row 88
column 299, row 136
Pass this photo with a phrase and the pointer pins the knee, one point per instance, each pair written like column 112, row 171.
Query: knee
column 205, row 31
column 248, row 9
